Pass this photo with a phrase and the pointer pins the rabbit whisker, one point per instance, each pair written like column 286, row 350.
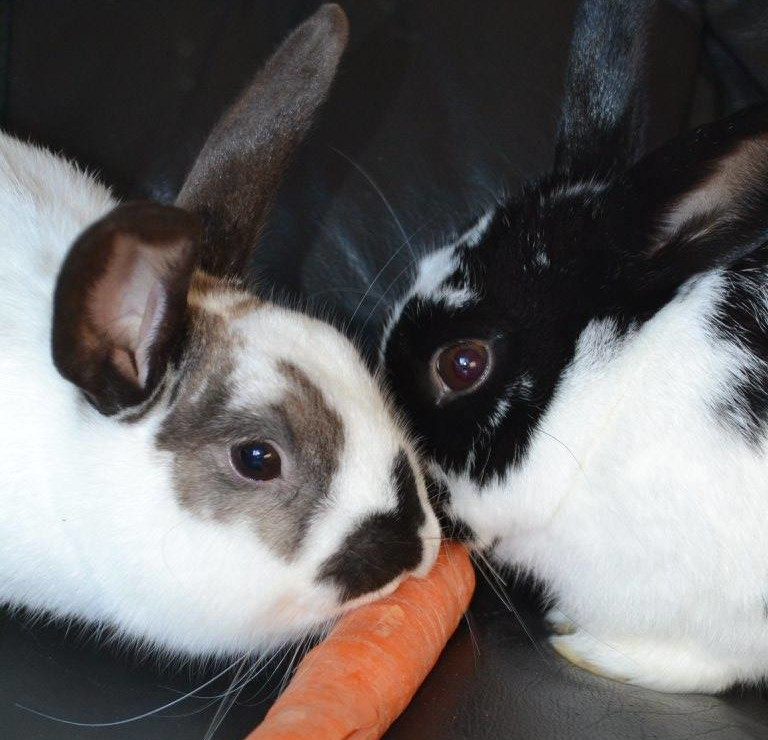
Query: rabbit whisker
column 482, row 563
column 394, row 254
column 137, row 717
column 379, row 192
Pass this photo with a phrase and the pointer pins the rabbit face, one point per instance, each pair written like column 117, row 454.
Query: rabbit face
column 292, row 440
column 265, row 486
column 476, row 350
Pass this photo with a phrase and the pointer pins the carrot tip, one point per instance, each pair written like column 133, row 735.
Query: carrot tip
column 355, row 683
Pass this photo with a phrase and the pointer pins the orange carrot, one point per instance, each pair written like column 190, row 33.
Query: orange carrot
column 355, row 683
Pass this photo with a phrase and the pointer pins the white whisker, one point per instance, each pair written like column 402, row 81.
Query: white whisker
column 137, row 717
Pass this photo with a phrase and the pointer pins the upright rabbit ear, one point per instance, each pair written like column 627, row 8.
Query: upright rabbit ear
column 601, row 121
column 120, row 303
column 698, row 202
column 234, row 180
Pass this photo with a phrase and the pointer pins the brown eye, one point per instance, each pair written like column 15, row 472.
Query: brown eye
column 462, row 365
column 256, row 460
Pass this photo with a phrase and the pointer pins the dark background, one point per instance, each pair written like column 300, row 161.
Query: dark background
column 439, row 106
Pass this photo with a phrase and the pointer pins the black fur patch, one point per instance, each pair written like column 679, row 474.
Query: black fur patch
column 384, row 545
column 741, row 320
column 541, row 274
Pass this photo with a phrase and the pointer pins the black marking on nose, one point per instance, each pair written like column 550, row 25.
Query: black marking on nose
column 384, row 544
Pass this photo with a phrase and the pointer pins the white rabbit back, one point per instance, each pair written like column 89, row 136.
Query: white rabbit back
column 45, row 202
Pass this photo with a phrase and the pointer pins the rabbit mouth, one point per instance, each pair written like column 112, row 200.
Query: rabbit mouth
column 368, row 598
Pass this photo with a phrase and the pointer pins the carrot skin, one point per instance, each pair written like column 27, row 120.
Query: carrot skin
column 355, row 683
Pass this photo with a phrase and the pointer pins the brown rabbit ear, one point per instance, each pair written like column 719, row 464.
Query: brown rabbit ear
column 120, row 302
column 235, row 178
column 697, row 203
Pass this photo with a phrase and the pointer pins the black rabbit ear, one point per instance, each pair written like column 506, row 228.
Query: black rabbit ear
column 601, row 121
column 233, row 182
column 699, row 202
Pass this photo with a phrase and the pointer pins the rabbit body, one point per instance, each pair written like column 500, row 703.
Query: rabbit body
column 641, row 504
column 587, row 368
column 142, row 390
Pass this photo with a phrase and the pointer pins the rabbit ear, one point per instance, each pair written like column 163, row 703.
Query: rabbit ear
column 234, row 180
column 120, row 302
column 699, row 202
column 601, row 121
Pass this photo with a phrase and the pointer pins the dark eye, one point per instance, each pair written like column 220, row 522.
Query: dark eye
column 462, row 365
column 256, row 460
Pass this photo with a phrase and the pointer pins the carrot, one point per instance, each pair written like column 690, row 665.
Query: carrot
column 355, row 683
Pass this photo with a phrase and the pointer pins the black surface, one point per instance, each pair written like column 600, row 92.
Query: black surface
column 495, row 681
column 438, row 105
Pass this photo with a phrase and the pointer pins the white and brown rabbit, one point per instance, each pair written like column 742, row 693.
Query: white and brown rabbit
column 193, row 466
column 588, row 369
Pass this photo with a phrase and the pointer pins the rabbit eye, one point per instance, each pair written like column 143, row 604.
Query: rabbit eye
column 256, row 460
column 463, row 365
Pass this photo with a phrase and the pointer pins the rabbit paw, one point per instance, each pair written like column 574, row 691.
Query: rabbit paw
column 558, row 623
column 654, row 664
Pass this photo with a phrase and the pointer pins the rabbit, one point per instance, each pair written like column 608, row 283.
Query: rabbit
column 587, row 369
column 187, row 465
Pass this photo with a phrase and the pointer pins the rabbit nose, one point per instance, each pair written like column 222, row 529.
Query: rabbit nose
column 384, row 546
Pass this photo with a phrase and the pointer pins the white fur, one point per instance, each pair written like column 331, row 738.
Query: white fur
column 434, row 268
column 641, row 508
column 473, row 236
column 90, row 526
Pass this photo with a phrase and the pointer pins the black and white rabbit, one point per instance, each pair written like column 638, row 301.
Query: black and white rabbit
column 195, row 467
column 588, row 370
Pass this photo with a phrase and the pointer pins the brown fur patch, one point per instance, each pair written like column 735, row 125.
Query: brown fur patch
column 234, row 180
column 317, row 427
column 209, row 418
column 220, row 296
